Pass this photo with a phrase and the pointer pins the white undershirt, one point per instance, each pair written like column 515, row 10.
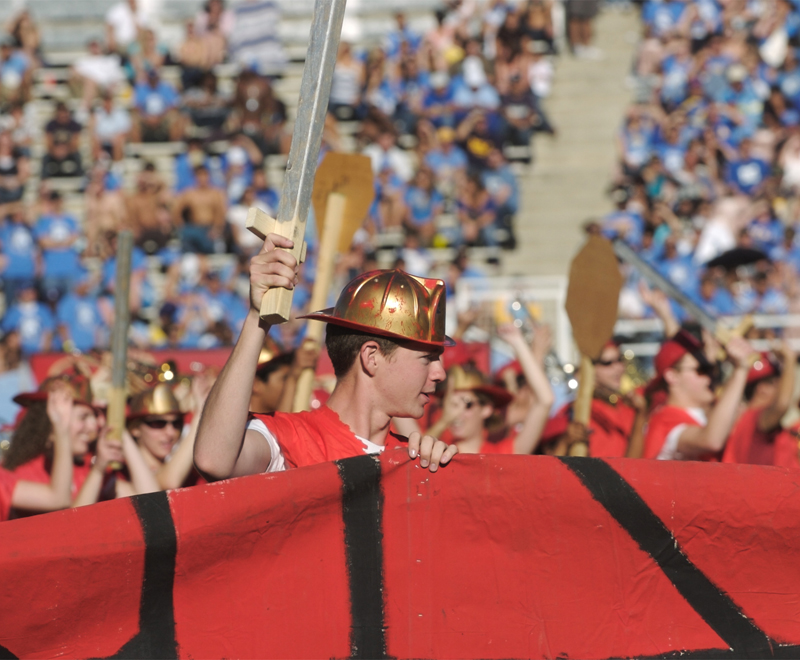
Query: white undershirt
column 669, row 450
column 277, row 462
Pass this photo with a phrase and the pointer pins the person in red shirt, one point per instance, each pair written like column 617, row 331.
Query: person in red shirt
column 55, row 493
column 756, row 435
column 385, row 336
column 616, row 422
column 31, row 454
column 472, row 405
column 692, row 425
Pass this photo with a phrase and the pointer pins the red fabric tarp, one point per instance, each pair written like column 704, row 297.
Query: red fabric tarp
column 491, row 557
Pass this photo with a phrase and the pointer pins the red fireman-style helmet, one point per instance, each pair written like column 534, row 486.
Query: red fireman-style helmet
column 78, row 385
column 394, row 304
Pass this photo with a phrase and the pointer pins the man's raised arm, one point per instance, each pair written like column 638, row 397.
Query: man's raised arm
column 223, row 447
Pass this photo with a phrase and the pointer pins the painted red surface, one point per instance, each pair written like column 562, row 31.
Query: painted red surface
column 491, row 557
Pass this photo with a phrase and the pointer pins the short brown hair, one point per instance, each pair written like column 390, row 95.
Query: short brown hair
column 343, row 345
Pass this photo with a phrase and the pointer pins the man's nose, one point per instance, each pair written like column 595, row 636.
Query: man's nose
column 437, row 373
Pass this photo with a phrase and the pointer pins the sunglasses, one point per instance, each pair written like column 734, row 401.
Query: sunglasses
column 162, row 423
column 608, row 363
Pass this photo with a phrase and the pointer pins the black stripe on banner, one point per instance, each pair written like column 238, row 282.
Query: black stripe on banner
column 156, row 636
column 362, row 512
column 5, row 654
column 715, row 607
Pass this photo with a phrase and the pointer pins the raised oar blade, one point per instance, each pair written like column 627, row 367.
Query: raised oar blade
column 119, row 334
column 656, row 279
column 298, row 182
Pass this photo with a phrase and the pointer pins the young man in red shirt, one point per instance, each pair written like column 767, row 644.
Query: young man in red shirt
column 385, row 337
column 756, row 437
column 692, row 425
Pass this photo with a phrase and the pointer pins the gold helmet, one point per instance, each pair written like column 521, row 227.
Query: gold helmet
column 467, row 378
column 159, row 400
column 391, row 303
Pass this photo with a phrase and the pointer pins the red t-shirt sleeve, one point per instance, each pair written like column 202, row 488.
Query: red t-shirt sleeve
column 8, row 482
column 661, row 423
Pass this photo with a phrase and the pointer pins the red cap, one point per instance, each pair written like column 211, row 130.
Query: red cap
column 671, row 351
column 764, row 367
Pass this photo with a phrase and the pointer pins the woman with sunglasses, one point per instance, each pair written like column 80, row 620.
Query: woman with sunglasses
column 474, row 410
column 156, row 422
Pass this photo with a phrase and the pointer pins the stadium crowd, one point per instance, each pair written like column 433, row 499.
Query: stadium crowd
column 704, row 173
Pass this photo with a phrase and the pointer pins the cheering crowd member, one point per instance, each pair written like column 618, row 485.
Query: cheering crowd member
column 55, row 494
column 692, row 425
column 757, row 437
column 385, row 337
column 616, row 421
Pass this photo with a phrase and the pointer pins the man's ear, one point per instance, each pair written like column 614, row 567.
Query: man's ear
column 670, row 376
column 487, row 411
column 369, row 355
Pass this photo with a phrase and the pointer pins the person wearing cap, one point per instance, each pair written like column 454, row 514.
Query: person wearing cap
column 756, row 436
column 384, row 338
column 58, row 416
column 692, row 425
column 55, row 492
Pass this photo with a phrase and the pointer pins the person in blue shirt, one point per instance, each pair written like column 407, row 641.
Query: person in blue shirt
column 714, row 299
column 622, row 223
column 108, row 280
column 57, row 234
column 677, row 70
column 788, row 252
column 763, row 297
column 663, row 16
column 412, row 86
column 678, row 269
column 194, row 156
column 501, row 184
column 671, row 150
column 423, row 204
column 746, row 175
column 438, row 104
column 80, row 324
column 19, row 255
column 156, row 118
column 33, row 321
column 765, row 231
column 402, row 34
column 448, row 161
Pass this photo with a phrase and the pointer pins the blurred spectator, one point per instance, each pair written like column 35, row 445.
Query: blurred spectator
column 156, row 118
column 16, row 72
column 214, row 18
column 110, row 127
column 256, row 38
column 146, row 54
column 80, row 324
column 206, row 106
column 15, row 376
column 57, row 234
column 14, row 171
column 258, row 113
column 198, row 55
column 438, row 105
column 478, row 137
column 19, row 255
column 26, row 36
column 22, row 126
column 580, row 14
column 347, row 83
column 32, row 320
column 123, row 21
column 501, row 184
column 96, row 73
column 477, row 214
column 142, row 209
column 62, row 140
column 448, row 160
column 385, row 154
column 200, row 213
column 423, row 205
column 105, row 212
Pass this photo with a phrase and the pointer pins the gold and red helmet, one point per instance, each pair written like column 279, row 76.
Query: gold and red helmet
column 160, row 400
column 78, row 384
column 394, row 304
column 467, row 378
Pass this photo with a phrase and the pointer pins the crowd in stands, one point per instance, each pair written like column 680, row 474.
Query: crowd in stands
column 705, row 187
column 436, row 112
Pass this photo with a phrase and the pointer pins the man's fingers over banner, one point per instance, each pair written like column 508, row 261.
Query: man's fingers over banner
column 432, row 452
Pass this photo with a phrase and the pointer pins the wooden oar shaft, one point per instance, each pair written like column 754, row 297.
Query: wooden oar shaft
column 334, row 217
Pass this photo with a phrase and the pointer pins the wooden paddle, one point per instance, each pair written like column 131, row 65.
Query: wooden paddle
column 343, row 193
column 592, row 300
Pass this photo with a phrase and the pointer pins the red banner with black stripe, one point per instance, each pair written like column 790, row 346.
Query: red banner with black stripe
column 491, row 557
